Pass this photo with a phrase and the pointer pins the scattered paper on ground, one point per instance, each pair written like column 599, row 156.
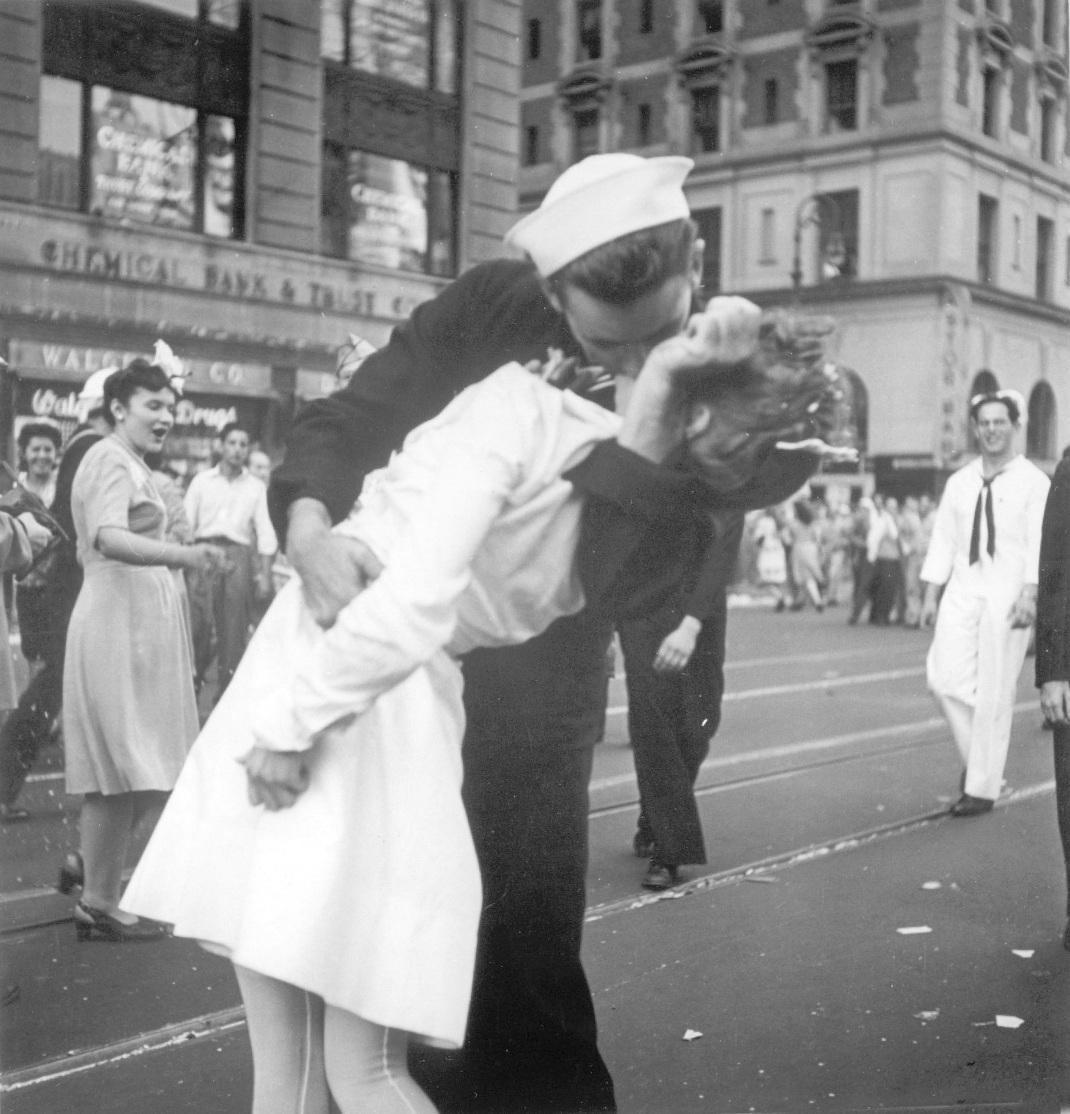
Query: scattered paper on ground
column 691, row 1034
column 930, row 885
column 927, row 1015
column 1023, row 953
column 913, row 930
column 1008, row 1021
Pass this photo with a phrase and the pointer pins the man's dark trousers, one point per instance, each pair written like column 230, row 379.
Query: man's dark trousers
column 1061, row 744
column 534, row 714
column 671, row 718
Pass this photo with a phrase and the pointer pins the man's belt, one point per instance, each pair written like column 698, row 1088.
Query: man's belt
column 220, row 540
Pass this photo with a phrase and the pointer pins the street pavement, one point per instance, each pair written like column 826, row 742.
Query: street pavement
column 776, row 977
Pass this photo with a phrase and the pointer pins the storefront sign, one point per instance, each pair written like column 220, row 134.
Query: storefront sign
column 72, row 362
column 375, row 298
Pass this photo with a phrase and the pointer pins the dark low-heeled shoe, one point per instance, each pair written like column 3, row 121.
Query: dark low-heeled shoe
column 971, row 806
column 71, row 874
column 95, row 924
column 660, row 876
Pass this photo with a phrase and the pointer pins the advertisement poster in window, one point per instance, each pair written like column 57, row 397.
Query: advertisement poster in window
column 219, row 177
column 143, row 157
column 391, row 38
column 388, row 212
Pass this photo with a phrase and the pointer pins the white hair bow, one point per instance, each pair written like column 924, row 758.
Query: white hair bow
column 165, row 359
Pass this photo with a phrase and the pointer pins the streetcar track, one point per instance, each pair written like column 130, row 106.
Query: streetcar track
column 181, row 1033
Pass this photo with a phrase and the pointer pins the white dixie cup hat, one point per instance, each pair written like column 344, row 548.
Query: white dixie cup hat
column 600, row 199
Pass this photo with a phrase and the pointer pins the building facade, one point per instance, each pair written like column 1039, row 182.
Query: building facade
column 901, row 164
column 248, row 180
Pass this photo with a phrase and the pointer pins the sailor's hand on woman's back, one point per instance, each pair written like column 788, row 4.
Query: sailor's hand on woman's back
column 333, row 570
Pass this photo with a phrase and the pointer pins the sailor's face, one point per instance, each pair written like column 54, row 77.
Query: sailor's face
column 619, row 338
column 994, row 429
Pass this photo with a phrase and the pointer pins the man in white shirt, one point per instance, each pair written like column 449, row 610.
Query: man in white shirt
column 985, row 548
column 228, row 505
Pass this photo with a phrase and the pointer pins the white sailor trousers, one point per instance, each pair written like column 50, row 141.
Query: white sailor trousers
column 973, row 667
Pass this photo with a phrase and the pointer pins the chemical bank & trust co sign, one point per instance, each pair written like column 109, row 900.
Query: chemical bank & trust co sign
column 234, row 275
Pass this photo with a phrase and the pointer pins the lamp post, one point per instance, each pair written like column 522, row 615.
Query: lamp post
column 819, row 209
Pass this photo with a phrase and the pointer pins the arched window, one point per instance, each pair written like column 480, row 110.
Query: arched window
column 1040, row 432
column 859, row 403
column 983, row 383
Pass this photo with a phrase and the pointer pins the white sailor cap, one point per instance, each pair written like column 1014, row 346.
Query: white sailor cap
column 600, row 199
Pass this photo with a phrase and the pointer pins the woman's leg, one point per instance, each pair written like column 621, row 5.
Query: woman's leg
column 104, row 827
column 106, row 824
column 286, row 1033
column 366, row 1067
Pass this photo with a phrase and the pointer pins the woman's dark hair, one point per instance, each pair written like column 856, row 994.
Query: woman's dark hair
column 138, row 375
column 39, row 429
column 627, row 268
column 804, row 512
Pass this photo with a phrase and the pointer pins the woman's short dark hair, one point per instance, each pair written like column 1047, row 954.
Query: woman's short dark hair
column 138, row 375
column 39, row 429
column 627, row 268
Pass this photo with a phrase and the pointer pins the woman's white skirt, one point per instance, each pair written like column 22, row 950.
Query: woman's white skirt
column 366, row 892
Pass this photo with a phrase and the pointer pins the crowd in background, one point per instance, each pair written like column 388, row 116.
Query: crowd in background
column 865, row 556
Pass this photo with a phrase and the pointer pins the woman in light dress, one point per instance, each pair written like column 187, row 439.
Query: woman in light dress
column 129, row 716
column 349, row 903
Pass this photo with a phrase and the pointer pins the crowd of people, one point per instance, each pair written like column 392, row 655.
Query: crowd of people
column 552, row 448
column 865, row 556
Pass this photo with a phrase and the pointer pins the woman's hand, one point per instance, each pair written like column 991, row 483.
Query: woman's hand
column 203, row 557
column 276, row 777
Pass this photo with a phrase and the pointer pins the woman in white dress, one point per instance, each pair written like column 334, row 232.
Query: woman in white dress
column 349, row 903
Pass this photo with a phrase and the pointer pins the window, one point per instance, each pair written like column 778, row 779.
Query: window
column 706, row 118
column 771, row 94
column 1016, row 238
column 767, row 237
column 838, row 246
column 531, row 145
column 841, row 95
column 585, row 133
column 142, row 160
column 987, row 229
column 414, row 41
column 225, row 13
column 1045, row 258
column 990, row 102
column 534, row 38
column 646, row 17
column 1047, row 129
column 1040, row 430
column 709, row 231
column 388, row 212
column 59, row 159
column 1050, row 31
column 711, row 16
column 590, row 29
column 643, row 125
